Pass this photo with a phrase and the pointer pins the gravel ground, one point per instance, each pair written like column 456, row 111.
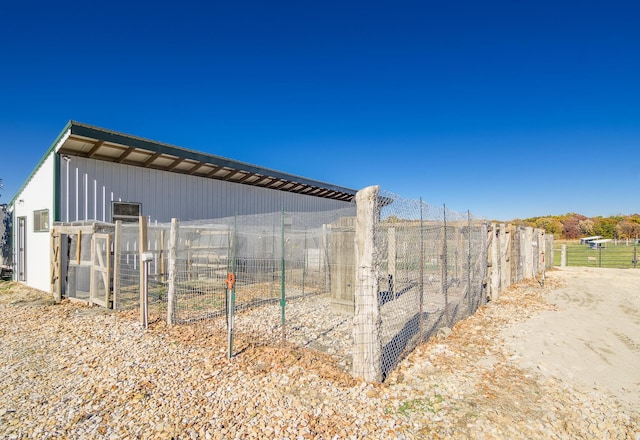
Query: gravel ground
column 70, row 371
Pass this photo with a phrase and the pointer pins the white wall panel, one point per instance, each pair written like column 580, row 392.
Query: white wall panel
column 36, row 195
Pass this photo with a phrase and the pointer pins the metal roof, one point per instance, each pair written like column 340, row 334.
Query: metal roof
column 84, row 140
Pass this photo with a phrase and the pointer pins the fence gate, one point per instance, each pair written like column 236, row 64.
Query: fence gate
column 100, row 284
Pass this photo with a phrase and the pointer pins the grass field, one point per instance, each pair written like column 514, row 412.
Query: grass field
column 621, row 256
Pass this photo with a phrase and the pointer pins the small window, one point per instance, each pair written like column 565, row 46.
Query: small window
column 127, row 212
column 41, row 220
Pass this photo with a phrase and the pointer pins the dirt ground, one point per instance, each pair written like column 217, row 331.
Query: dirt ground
column 559, row 361
column 592, row 338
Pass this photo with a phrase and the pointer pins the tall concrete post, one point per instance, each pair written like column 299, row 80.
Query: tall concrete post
column 367, row 348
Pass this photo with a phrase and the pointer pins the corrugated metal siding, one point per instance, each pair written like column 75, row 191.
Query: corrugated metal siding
column 164, row 195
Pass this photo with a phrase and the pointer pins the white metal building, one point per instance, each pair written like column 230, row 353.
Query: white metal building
column 91, row 173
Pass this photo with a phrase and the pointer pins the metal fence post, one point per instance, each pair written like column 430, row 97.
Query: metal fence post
column 599, row 256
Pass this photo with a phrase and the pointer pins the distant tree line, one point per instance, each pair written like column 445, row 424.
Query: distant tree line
column 572, row 225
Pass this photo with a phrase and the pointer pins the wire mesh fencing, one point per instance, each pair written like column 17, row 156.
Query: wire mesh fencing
column 281, row 266
column 621, row 254
column 431, row 263
column 365, row 284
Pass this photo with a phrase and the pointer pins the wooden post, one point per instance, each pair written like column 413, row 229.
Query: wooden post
column 421, row 262
column 495, row 262
column 171, row 292
column 78, row 256
column 444, row 269
column 325, row 250
column 504, row 257
column 528, row 253
column 367, row 347
column 162, row 264
column 92, row 281
column 117, row 239
column 142, row 247
column 55, row 257
column 469, row 289
column 563, row 256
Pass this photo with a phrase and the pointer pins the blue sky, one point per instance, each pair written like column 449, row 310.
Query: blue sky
column 507, row 109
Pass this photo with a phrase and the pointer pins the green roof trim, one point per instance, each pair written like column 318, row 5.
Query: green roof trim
column 44, row 157
column 56, row 188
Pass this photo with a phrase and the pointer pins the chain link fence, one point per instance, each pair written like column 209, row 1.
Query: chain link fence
column 430, row 263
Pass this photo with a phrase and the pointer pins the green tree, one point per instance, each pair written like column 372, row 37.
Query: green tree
column 605, row 227
column 549, row 224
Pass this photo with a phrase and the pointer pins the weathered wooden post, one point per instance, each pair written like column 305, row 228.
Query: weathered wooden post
column 504, row 257
column 528, row 253
column 325, row 262
column 563, row 256
column 496, row 262
column 117, row 243
column 367, row 349
column 171, row 291
column 142, row 247
column 343, row 263
column 56, row 256
column 444, row 270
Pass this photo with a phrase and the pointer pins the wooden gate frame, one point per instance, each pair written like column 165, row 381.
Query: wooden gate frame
column 100, row 270
column 60, row 229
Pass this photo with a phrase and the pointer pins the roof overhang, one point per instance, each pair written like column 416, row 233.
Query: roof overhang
column 97, row 143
